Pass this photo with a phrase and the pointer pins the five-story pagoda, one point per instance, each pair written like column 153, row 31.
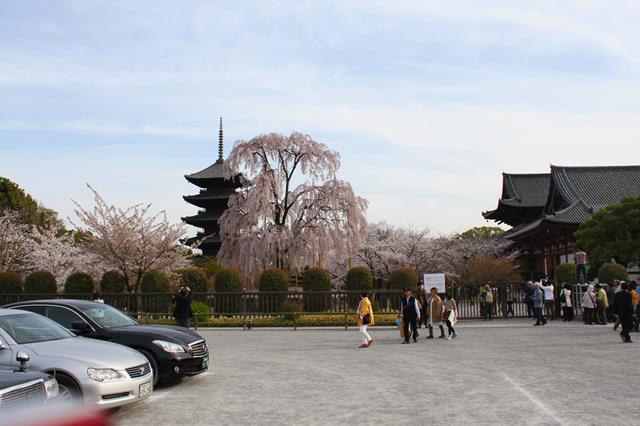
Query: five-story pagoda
column 212, row 200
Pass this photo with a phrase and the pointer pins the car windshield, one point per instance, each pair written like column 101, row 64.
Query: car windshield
column 31, row 328
column 107, row 316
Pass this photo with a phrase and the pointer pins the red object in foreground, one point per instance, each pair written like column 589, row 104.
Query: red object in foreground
column 83, row 418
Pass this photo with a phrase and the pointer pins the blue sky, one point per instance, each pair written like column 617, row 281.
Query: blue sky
column 428, row 102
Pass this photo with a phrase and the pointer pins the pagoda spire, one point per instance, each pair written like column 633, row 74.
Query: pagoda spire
column 220, row 144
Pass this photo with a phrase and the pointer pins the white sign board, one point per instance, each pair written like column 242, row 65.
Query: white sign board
column 434, row 280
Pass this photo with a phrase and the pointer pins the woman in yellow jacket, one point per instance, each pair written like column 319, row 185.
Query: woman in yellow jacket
column 365, row 319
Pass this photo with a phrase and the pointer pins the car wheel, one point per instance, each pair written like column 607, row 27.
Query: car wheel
column 69, row 389
column 154, row 366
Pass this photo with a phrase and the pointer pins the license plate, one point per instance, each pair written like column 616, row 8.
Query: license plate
column 205, row 362
column 145, row 390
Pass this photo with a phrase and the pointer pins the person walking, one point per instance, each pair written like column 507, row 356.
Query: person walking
column 488, row 302
column 410, row 313
column 602, row 303
column 182, row 312
column 511, row 299
column 365, row 319
column 450, row 315
column 422, row 301
column 528, row 298
column 538, row 304
column 581, row 265
column 631, row 288
column 434, row 313
column 549, row 300
column 624, row 311
column 588, row 305
column 611, row 292
column 566, row 302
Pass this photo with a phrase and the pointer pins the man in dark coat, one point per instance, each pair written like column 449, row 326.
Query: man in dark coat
column 182, row 312
column 410, row 313
column 624, row 309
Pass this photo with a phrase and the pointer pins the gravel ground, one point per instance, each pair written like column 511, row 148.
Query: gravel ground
column 498, row 372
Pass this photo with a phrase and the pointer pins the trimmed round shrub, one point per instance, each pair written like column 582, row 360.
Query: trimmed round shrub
column 194, row 278
column 113, row 282
column 79, row 283
column 565, row 273
column 209, row 264
column 154, row 282
column 41, row 282
column 228, row 281
column 274, row 280
column 200, row 310
column 609, row 272
column 10, row 283
column 359, row 278
column 289, row 307
column 316, row 279
column 403, row 278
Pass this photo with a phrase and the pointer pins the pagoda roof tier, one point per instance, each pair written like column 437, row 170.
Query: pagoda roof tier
column 209, row 195
column 202, row 217
column 523, row 198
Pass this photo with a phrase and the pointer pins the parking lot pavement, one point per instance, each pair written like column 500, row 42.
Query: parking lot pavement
column 496, row 372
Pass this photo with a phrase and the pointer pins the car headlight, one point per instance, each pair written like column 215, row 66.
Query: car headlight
column 103, row 374
column 169, row 346
column 51, row 387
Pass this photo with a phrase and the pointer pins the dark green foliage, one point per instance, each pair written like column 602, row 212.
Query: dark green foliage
column 79, row 283
column 200, row 310
column 359, row 278
column 154, row 282
column 403, row 278
column 209, row 264
column 228, row 281
column 41, row 282
column 113, row 282
column 482, row 233
column 274, row 280
column 10, row 283
column 609, row 272
column 15, row 198
column 565, row 273
column 612, row 232
column 316, row 279
column 194, row 278
column 289, row 307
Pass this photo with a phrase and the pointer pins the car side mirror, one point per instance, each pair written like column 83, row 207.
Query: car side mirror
column 80, row 327
column 23, row 359
column 2, row 345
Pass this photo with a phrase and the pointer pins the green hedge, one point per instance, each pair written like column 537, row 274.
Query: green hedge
column 228, row 281
column 403, row 278
column 79, row 283
column 274, row 280
column 316, row 279
column 113, row 282
column 609, row 272
column 10, row 283
column 359, row 278
column 41, row 282
column 154, row 282
column 194, row 278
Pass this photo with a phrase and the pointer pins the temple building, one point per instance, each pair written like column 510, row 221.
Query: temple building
column 212, row 199
column 563, row 200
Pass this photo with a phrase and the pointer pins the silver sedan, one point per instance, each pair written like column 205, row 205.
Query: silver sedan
column 98, row 373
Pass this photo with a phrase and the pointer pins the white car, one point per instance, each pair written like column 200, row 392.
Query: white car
column 98, row 373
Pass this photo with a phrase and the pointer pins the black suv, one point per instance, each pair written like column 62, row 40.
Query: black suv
column 172, row 351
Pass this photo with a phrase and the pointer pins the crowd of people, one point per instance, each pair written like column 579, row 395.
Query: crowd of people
column 428, row 309
column 615, row 303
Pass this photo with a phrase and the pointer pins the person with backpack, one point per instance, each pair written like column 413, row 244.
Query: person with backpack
column 566, row 303
column 588, row 305
column 410, row 312
column 538, row 304
column 365, row 319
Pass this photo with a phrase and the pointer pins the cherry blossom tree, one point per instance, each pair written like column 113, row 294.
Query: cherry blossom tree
column 15, row 243
column 291, row 211
column 132, row 240
column 55, row 250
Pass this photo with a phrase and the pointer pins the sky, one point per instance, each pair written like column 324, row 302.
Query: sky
column 428, row 102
